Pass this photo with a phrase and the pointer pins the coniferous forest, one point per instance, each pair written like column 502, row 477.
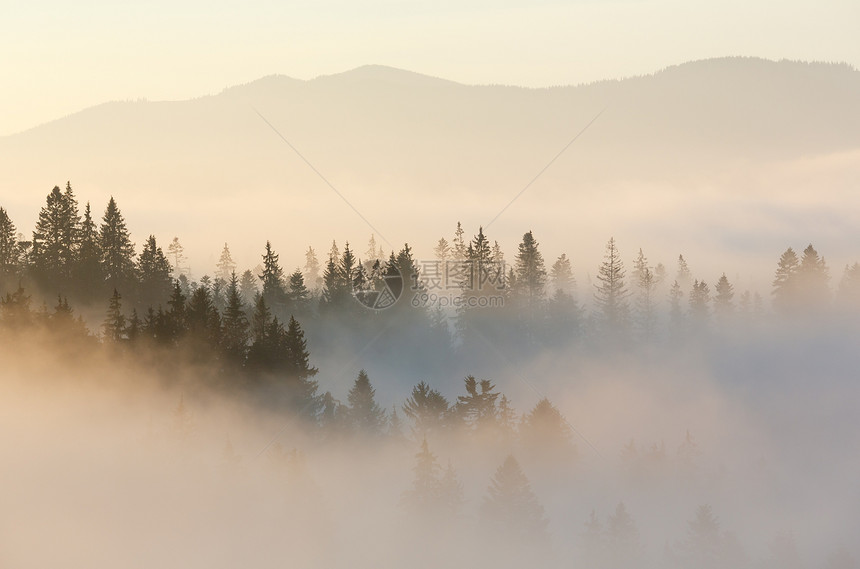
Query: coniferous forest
column 477, row 408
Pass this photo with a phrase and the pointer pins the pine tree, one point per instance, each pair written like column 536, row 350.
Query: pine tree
column 423, row 497
column 812, row 279
column 561, row 275
column 204, row 322
column 88, row 274
column 511, row 509
column 273, row 279
column 117, row 249
column 442, row 250
column 234, row 331
column 364, row 413
column 546, row 434
column 248, row 287
column 299, row 295
column 458, row 246
column 683, row 275
column 427, row 408
column 312, row 270
column 301, row 372
column 154, row 270
column 624, row 547
column 676, row 314
column 531, row 274
column 114, row 325
column 849, row 287
column 176, row 253
column 225, row 265
column 55, row 239
column 644, row 280
column 611, row 294
column 700, row 296
column 478, row 407
column 9, row 251
column 785, row 289
column 723, row 305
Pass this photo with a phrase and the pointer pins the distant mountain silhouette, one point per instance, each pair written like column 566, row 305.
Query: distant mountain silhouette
column 385, row 135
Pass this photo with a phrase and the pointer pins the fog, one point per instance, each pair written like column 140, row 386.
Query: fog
column 108, row 464
column 586, row 420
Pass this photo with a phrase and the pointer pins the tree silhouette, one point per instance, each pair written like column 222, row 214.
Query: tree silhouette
column 611, row 291
column 365, row 415
column 117, row 249
column 511, row 509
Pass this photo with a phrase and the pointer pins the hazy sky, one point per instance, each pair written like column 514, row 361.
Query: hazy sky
column 59, row 57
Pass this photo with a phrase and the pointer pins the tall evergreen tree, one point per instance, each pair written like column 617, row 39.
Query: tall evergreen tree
column 298, row 293
column 234, row 331
column 117, row 249
column 644, row 280
column 204, row 322
column 812, row 277
column 723, row 305
column 700, row 297
column 248, row 287
column 561, row 275
column 511, row 508
column 312, row 269
column 114, row 325
column 226, row 266
column 611, row 293
column 427, row 408
column 785, row 289
column 273, row 279
column 478, row 406
column 88, row 274
column 154, row 281
column 176, row 254
column 9, row 251
column 531, row 274
column 366, row 416
column 55, row 239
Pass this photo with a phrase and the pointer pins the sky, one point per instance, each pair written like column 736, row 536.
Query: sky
column 60, row 57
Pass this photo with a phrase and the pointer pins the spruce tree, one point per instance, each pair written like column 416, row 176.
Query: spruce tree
column 117, row 249
column 300, row 369
column 114, row 325
column 204, row 322
column 248, row 287
column 723, row 305
column 644, row 281
column 176, row 254
column 531, row 273
column 427, row 408
column 812, row 277
column 234, row 331
column 478, row 406
column 561, row 275
column 785, row 289
column 154, row 281
column 511, row 509
column 55, row 240
column 298, row 293
column 9, row 251
column 226, row 266
column 272, row 278
column 366, row 416
column 88, row 275
column 611, row 293
column 312, row 269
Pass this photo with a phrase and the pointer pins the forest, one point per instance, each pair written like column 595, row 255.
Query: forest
column 440, row 454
